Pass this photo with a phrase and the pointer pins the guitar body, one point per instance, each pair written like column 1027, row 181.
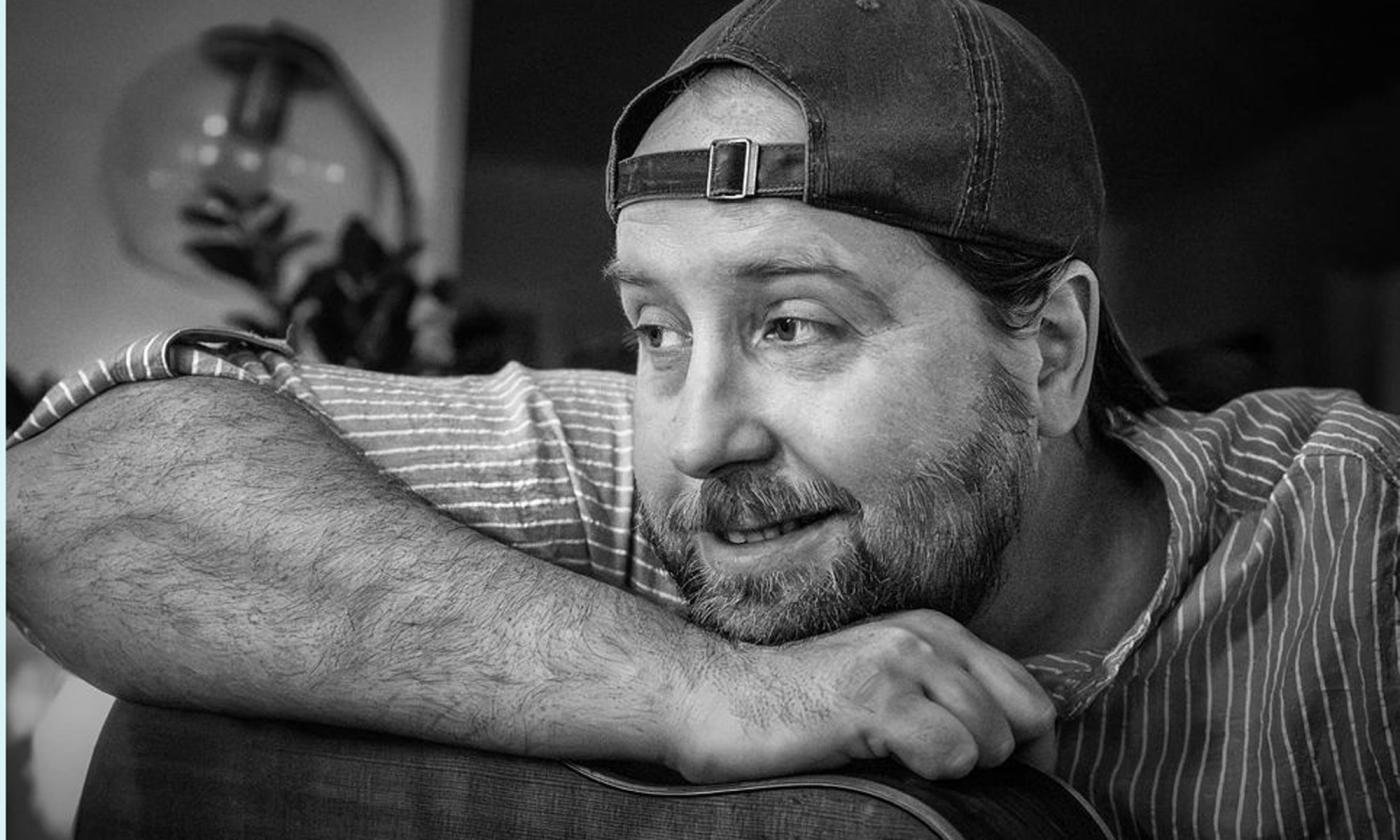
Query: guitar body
column 158, row 773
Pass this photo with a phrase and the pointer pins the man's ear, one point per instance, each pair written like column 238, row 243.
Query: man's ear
column 1069, row 329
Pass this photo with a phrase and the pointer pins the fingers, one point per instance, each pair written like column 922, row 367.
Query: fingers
column 1027, row 707
column 994, row 701
column 916, row 686
column 935, row 743
column 973, row 707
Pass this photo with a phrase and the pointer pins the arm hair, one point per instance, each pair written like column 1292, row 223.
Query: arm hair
column 208, row 544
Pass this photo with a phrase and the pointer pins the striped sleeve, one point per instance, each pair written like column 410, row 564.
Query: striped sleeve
column 540, row 461
column 161, row 356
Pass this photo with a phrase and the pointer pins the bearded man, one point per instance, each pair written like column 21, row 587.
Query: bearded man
column 884, row 449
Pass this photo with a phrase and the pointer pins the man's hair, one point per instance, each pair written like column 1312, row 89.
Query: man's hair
column 1015, row 287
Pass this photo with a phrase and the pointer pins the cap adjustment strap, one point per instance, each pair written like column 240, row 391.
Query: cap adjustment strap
column 731, row 169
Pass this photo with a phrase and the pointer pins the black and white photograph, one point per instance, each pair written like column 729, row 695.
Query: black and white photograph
column 707, row 419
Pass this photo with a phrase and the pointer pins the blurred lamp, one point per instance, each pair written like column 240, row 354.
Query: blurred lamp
column 245, row 154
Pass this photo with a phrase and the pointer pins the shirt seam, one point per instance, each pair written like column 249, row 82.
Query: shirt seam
column 1373, row 456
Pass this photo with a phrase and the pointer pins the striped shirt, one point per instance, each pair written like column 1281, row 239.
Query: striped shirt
column 1258, row 695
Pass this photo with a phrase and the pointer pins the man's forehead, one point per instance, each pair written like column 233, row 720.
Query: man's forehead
column 725, row 103
column 780, row 231
column 760, row 264
column 878, row 263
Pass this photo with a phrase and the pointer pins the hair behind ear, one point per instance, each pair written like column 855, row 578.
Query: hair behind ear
column 1013, row 284
column 1120, row 378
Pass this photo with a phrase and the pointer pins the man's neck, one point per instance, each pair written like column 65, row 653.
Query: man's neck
column 1089, row 553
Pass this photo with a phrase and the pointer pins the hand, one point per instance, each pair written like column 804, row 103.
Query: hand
column 917, row 686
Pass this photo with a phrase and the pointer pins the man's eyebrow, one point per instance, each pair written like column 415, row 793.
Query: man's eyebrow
column 764, row 268
column 617, row 275
column 774, row 267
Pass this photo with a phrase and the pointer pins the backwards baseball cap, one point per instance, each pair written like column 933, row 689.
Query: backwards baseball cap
column 941, row 116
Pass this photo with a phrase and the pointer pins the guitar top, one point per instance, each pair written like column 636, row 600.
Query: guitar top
column 159, row 773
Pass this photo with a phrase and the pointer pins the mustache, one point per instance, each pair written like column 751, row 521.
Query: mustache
column 755, row 498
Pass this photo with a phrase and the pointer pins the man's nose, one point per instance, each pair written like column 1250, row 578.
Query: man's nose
column 718, row 421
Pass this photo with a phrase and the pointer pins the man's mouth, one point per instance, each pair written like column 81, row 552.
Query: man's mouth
column 767, row 532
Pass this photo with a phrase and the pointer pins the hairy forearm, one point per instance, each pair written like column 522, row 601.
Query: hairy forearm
column 205, row 543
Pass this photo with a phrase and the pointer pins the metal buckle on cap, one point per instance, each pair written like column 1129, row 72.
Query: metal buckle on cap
column 731, row 179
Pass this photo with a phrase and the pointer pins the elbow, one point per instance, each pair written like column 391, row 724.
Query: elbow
column 62, row 545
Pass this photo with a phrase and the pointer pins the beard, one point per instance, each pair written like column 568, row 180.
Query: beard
column 933, row 541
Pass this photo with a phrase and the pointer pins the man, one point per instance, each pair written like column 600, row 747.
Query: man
column 883, row 440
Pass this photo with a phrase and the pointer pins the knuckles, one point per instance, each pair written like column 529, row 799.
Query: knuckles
column 898, row 644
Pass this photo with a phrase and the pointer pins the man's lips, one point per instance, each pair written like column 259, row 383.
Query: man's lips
column 745, row 536
column 797, row 542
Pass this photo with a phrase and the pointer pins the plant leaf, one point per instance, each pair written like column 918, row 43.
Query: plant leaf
column 259, row 200
column 269, row 222
column 360, row 251
column 294, row 242
column 202, row 216
column 385, row 341
column 223, row 196
column 407, row 252
column 226, row 258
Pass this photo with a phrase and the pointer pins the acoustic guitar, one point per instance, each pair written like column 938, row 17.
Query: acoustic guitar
column 158, row 773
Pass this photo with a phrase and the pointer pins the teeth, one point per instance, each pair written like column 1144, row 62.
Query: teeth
column 772, row 532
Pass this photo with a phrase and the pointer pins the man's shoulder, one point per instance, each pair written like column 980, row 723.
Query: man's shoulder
column 1298, row 453
column 598, row 387
column 1265, row 433
column 1349, row 427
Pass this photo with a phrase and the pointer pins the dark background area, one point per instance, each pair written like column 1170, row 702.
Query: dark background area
column 1248, row 148
column 1176, row 88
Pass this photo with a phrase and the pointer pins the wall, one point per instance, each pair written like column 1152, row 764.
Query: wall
column 1293, row 248
column 71, row 293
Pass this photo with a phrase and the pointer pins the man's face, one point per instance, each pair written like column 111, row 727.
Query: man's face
column 827, row 425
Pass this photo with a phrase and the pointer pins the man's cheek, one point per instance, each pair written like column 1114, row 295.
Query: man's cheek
column 649, row 459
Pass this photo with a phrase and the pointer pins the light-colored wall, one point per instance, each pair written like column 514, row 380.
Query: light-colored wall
column 71, row 293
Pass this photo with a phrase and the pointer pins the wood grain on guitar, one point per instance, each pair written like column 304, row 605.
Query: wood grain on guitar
column 159, row 773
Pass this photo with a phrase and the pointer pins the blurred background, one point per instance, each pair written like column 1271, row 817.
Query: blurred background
column 1248, row 146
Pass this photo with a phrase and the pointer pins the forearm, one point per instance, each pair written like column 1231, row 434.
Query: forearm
column 209, row 544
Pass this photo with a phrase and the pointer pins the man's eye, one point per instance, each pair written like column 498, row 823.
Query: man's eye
column 791, row 330
column 655, row 337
